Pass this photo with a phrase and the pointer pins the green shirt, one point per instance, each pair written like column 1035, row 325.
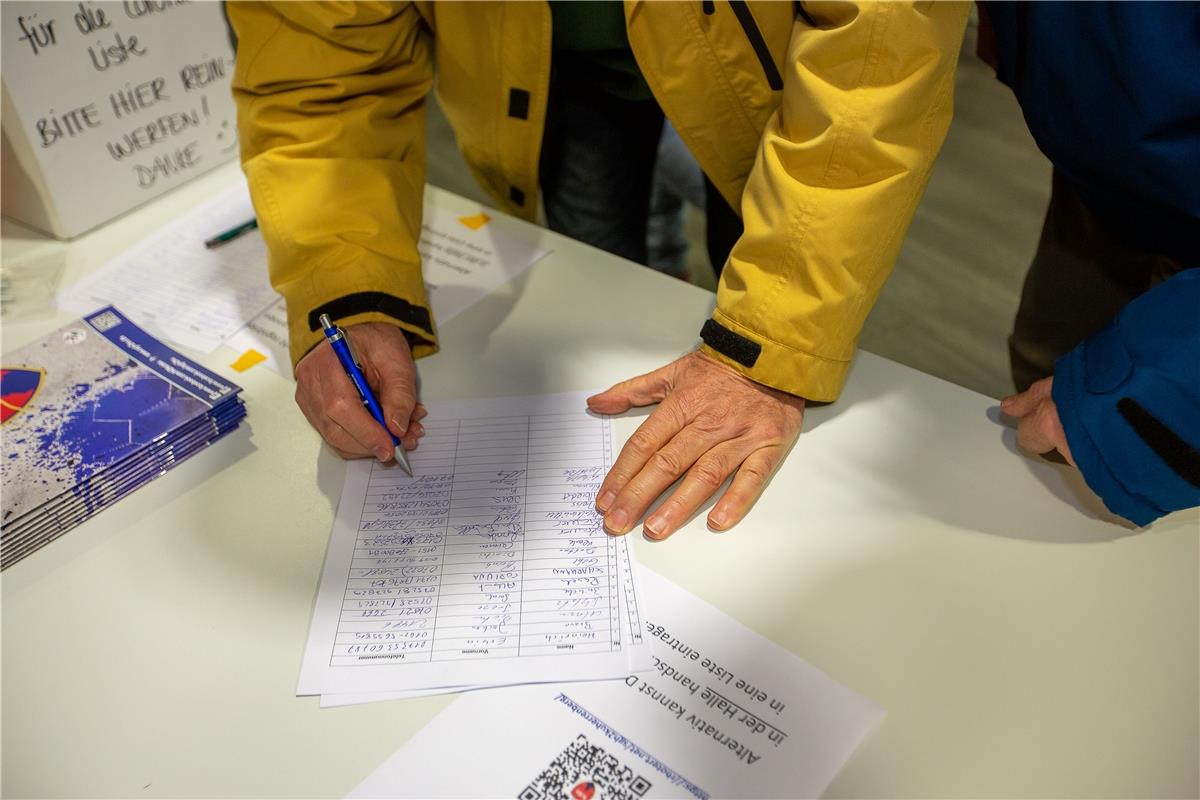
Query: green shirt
column 592, row 47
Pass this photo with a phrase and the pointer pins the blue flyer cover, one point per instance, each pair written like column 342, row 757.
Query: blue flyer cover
column 84, row 407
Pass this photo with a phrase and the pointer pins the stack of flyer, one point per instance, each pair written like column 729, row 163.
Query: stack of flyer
column 90, row 413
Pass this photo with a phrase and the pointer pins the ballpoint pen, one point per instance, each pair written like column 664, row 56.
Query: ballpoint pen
column 341, row 345
column 231, row 234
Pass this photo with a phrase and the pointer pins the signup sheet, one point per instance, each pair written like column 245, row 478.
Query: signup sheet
column 489, row 566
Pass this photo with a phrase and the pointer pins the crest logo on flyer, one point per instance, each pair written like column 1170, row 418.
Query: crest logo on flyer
column 585, row 790
column 18, row 385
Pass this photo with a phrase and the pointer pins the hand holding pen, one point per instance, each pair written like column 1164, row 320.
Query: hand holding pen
column 330, row 400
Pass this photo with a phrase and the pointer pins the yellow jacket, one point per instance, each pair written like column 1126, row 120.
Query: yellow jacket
column 824, row 142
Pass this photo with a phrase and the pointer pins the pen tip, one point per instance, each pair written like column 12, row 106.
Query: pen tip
column 402, row 460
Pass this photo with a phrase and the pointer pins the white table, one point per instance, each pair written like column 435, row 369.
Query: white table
column 1021, row 644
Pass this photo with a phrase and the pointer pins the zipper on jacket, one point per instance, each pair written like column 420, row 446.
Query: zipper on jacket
column 742, row 12
column 798, row 6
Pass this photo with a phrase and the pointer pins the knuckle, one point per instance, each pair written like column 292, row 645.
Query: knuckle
column 755, row 473
column 641, row 444
column 635, row 496
column 713, row 421
column 768, row 431
column 667, row 461
column 710, row 473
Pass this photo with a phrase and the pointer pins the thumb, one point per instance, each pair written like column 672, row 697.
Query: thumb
column 1018, row 405
column 643, row 390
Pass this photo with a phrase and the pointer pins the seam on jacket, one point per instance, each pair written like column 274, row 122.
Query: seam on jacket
column 731, row 97
column 879, row 28
column 262, row 47
column 264, row 191
column 942, row 95
column 799, row 230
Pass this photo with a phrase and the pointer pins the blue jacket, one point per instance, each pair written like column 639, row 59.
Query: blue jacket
column 1129, row 401
column 1111, row 94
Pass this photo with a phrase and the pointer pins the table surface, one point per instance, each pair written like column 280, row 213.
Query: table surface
column 1022, row 642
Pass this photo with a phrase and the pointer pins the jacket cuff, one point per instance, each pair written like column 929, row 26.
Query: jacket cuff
column 1074, row 402
column 302, row 339
column 772, row 363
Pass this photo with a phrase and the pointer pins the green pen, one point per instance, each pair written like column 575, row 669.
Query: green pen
column 232, row 233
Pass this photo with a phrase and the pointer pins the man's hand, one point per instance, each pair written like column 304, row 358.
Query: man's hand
column 330, row 402
column 711, row 422
column 1039, row 429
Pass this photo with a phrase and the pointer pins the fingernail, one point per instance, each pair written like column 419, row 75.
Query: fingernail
column 718, row 518
column 605, row 500
column 617, row 521
column 655, row 526
column 1008, row 401
column 383, row 454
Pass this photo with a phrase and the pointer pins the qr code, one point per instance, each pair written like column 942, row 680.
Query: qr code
column 106, row 321
column 584, row 771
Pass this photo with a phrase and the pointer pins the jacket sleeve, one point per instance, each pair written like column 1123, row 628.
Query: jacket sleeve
column 1129, row 401
column 867, row 99
column 331, row 117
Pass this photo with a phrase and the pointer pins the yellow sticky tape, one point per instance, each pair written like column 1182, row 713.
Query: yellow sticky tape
column 476, row 222
column 248, row 359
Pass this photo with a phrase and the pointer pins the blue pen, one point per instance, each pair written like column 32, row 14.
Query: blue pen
column 341, row 346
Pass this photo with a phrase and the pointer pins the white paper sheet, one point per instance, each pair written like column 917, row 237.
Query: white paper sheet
column 174, row 287
column 489, row 566
column 461, row 263
column 725, row 713
column 640, row 655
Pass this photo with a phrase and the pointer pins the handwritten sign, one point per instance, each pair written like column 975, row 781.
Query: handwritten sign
column 109, row 104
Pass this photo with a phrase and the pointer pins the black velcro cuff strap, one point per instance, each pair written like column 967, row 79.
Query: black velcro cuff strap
column 378, row 302
column 729, row 344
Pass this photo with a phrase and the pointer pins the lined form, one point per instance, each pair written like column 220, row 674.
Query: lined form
column 173, row 286
column 489, row 566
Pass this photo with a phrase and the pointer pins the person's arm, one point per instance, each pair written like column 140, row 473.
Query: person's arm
column 331, row 102
column 1124, row 406
column 867, row 100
